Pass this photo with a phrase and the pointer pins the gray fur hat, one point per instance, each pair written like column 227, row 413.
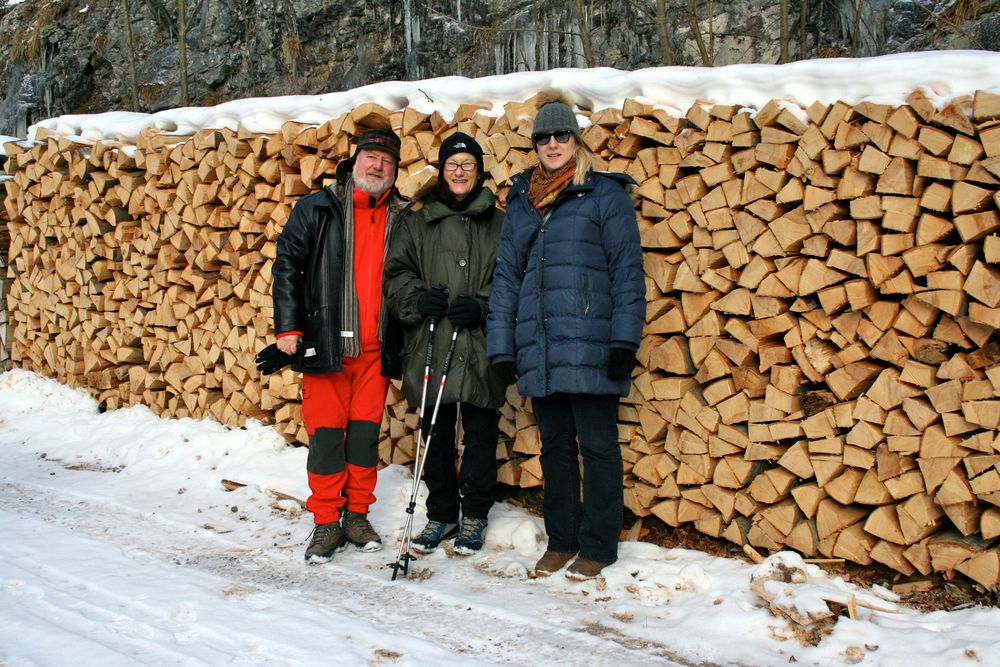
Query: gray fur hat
column 556, row 116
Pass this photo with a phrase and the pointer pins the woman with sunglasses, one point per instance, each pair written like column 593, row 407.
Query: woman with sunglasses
column 440, row 269
column 566, row 317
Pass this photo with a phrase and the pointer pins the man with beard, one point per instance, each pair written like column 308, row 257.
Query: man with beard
column 331, row 326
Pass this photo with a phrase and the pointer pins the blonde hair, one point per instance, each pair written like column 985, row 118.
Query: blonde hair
column 584, row 163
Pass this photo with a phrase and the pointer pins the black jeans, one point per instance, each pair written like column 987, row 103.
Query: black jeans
column 471, row 488
column 594, row 529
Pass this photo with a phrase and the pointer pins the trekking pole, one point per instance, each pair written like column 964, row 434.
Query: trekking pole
column 404, row 557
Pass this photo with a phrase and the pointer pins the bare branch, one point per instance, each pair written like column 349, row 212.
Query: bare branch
column 588, row 49
column 859, row 6
column 663, row 27
column 783, row 56
column 161, row 15
column 130, row 48
column 194, row 12
column 490, row 30
column 182, row 50
column 696, row 31
column 803, row 29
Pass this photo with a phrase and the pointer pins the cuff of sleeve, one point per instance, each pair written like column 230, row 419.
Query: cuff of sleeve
column 500, row 358
column 624, row 345
column 288, row 333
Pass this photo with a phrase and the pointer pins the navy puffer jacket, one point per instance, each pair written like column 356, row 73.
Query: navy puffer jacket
column 566, row 291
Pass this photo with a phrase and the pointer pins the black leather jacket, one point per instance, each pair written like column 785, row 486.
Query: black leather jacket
column 307, row 279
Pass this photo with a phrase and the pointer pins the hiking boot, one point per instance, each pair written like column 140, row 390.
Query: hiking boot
column 360, row 533
column 551, row 561
column 433, row 534
column 583, row 569
column 470, row 537
column 327, row 539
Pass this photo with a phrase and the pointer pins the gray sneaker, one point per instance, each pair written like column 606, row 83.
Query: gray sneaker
column 327, row 539
column 360, row 533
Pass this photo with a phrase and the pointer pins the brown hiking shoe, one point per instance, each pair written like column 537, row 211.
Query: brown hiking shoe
column 359, row 531
column 326, row 540
column 583, row 569
column 551, row 561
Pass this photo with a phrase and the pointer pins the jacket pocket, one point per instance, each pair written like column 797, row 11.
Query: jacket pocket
column 308, row 356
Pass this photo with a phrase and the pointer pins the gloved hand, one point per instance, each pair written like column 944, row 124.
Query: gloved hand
column 621, row 361
column 271, row 359
column 433, row 302
column 465, row 311
column 506, row 371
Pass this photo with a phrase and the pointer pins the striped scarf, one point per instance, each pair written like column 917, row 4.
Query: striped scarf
column 350, row 320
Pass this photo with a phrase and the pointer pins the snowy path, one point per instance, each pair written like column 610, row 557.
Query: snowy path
column 121, row 545
column 123, row 623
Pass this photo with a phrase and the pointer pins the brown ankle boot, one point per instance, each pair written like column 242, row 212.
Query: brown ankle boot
column 583, row 569
column 551, row 561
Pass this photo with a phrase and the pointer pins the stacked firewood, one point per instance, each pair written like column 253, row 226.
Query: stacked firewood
column 820, row 366
column 819, row 369
column 5, row 362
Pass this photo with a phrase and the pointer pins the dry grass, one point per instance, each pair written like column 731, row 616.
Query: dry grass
column 27, row 40
column 951, row 19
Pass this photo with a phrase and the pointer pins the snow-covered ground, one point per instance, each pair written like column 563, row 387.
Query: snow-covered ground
column 121, row 546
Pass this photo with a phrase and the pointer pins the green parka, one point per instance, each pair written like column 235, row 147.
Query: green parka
column 437, row 245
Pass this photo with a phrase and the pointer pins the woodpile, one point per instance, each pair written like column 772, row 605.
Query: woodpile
column 819, row 370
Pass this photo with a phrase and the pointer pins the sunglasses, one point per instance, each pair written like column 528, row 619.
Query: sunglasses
column 541, row 139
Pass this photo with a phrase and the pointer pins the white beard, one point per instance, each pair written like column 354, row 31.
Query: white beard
column 372, row 186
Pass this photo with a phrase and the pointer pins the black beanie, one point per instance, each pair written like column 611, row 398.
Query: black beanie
column 460, row 142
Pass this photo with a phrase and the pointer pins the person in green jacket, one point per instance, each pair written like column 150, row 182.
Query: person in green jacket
column 440, row 267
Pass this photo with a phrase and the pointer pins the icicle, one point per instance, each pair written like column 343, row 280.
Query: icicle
column 543, row 49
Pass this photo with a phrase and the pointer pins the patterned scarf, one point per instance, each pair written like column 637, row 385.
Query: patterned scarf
column 545, row 187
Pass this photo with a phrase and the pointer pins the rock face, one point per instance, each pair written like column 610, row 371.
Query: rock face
column 73, row 56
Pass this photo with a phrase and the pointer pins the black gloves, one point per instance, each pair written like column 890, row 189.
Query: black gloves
column 271, row 359
column 621, row 361
column 506, row 371
column 433, row 302
column 465, row 311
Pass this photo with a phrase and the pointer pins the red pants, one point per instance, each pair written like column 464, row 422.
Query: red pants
column 343, row 412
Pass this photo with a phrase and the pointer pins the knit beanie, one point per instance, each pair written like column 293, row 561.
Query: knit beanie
column 460, row 142
column 554, row 117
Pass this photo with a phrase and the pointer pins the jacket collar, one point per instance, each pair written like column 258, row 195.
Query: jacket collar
column 434, row 209
column 523, row 180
